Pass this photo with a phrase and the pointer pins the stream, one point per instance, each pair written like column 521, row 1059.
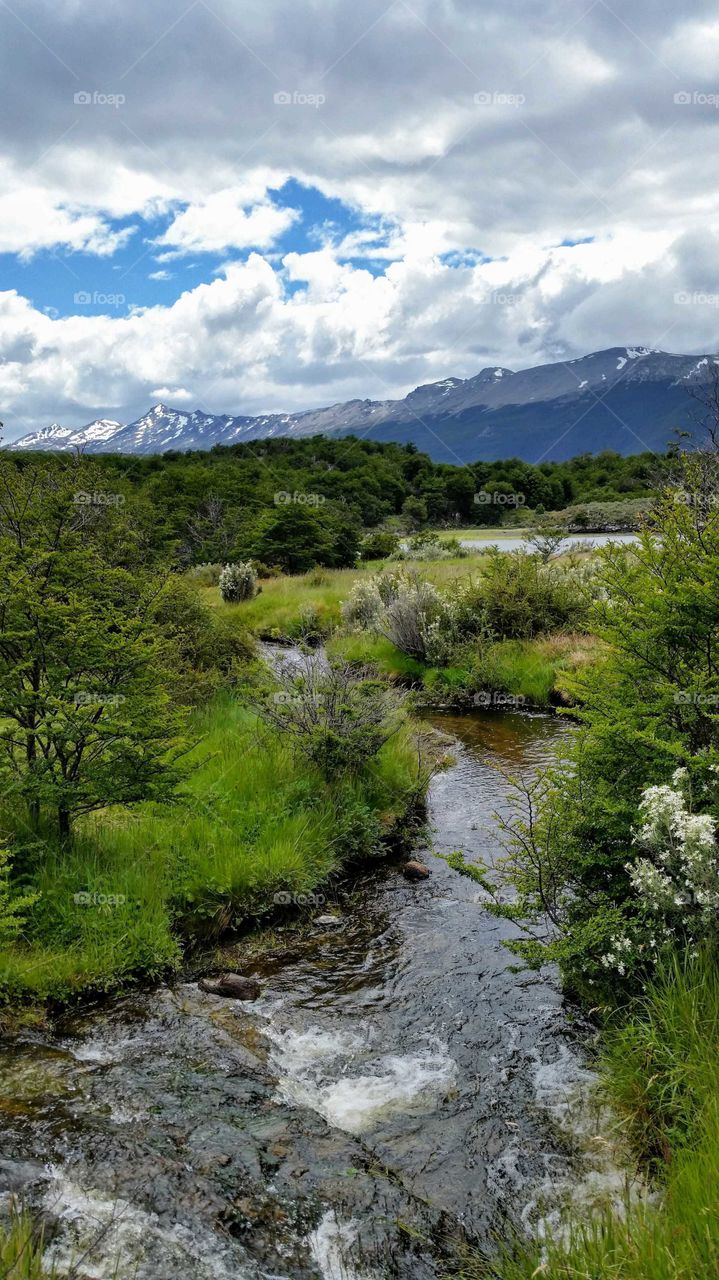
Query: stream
column 398, row 1089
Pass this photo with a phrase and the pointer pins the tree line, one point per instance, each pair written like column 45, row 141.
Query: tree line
column 295, row 503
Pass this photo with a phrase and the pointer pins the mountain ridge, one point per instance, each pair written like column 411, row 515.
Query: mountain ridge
column 624, row 398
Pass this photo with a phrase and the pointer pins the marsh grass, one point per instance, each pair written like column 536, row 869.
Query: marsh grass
column 253, row 818
column 279, row 610
column 22, row 1248
column 536, row 670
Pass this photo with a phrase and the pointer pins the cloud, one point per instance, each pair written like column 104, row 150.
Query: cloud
column 220, row 222
column 467, row 141
column 313, row 331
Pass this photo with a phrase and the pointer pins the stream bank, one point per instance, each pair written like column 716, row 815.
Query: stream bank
column 397, row 1090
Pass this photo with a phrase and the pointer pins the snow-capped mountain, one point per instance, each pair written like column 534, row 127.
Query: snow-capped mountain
column 57, row 438
column 626, row 398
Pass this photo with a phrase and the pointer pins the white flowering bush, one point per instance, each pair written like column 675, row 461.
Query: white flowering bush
column 238, row 582
column 407, row 610
column 675, row 882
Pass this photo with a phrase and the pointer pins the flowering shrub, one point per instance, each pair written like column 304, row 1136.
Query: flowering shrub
column 675, row 883
column 407, row 610
column 238, row 582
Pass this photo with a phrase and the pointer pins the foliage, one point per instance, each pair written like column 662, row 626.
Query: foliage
column 675, row 881
column 85, row 718
column 378, row 545
column 252, row 818
column 298, row 537
column 335, row 715
column 11, row 903
column 237, row 582
column 429, row 546
column 22, row 1245
column 209, row 508
column 208, row 649
column 518, row 596
column 406, row 609
column 648, row 707
column 205, row 575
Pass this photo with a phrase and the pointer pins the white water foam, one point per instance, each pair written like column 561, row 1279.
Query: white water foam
column 105, row 1235
column 314, row 1069
column 330, row 1244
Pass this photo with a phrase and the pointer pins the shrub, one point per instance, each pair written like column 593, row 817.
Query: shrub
column 207, row 648
column 378, row 545
column 674, row 895
column 427, row 546
column 238, row 582
column 205, row 575
column 519, row 596
column 418, row 621
column 336, row 716
column 405, row 609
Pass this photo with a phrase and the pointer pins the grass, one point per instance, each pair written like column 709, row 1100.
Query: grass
column 662, row 1074
column 21, row 1249
column 286, row 603
column 483, row 534
column 253, row 818
column 534, row 670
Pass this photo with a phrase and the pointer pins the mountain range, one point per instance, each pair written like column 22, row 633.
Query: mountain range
column 625, row 398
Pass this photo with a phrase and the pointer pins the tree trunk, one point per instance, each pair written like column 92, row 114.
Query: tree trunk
column 63, row 822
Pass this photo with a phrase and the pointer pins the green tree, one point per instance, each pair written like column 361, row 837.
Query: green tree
column 85, row 718
column 650, row 706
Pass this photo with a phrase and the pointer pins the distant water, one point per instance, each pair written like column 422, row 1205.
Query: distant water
column 583, row 541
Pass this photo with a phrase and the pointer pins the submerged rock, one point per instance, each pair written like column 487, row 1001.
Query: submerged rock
column 232, row 985
column 414, row 870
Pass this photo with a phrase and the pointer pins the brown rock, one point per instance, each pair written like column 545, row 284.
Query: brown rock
column 232, row 985
column 414, row 870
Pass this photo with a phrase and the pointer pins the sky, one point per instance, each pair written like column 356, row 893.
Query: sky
column 252, row 206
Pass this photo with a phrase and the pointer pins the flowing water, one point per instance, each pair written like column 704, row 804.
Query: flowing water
column 396, row 1090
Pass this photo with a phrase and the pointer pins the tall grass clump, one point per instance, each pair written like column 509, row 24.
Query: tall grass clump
column 22, row 1248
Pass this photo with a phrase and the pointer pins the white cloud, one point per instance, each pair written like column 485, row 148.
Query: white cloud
column 220, row 222
column 582, row 138
column 244, row 343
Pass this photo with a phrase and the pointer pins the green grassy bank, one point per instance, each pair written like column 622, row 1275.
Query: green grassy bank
column 253, row 818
